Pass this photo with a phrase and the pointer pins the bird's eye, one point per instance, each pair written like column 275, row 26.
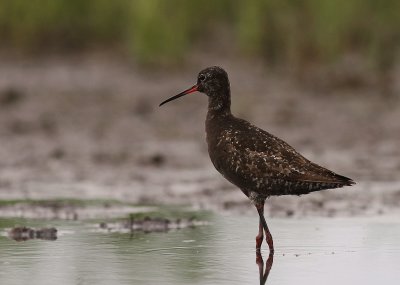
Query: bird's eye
column 202, row 77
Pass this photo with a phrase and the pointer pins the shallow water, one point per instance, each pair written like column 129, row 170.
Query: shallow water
column 308, row 251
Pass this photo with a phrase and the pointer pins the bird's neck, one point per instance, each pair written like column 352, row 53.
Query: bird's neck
column 219, row 104
column 219, row 113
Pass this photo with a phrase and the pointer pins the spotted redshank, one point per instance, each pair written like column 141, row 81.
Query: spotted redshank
column 257, row 162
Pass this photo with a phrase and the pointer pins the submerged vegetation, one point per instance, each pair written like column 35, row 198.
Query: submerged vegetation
column 154, row 30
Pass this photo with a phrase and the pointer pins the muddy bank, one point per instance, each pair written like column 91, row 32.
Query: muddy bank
column 91, row 128
column 64, row 209
column 25, row 233
column 149, row 225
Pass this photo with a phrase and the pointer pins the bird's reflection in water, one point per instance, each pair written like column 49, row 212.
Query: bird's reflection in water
column 268, row 265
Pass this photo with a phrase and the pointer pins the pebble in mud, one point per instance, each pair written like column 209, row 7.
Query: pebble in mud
column 154, row 160
column 11, row 96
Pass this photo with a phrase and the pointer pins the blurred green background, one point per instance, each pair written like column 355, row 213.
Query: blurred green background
column 159, row 31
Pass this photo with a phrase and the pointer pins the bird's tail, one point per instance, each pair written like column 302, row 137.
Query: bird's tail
column 343, row 180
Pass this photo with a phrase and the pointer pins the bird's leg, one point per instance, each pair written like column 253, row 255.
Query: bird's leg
column 260, row 236
column 268, row 236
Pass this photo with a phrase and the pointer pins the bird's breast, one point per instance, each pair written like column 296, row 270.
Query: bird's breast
column 226, row 156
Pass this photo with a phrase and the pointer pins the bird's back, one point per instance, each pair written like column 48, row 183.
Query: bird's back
column 258, row 162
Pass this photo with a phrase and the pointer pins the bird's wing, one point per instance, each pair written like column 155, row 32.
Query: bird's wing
column 265, row 155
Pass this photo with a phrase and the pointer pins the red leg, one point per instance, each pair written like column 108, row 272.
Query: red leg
column 260, row 236
column 270, row 241
column 268, row 236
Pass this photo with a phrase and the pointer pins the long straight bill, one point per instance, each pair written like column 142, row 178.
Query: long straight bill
column 187, row 91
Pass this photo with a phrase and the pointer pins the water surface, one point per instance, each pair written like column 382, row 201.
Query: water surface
column 308, row 251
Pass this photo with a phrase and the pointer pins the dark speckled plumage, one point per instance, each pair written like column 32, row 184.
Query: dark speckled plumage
column 257, row 162
column 260, row 164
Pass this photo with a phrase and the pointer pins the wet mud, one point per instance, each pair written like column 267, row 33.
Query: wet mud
column 149, row 224
column 25, row 233
column 90, row 128
column 64, row 209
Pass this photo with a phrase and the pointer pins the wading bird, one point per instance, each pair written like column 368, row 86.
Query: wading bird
column 257, row 162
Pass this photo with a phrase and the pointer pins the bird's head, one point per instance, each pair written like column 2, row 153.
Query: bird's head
column 214, row 82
